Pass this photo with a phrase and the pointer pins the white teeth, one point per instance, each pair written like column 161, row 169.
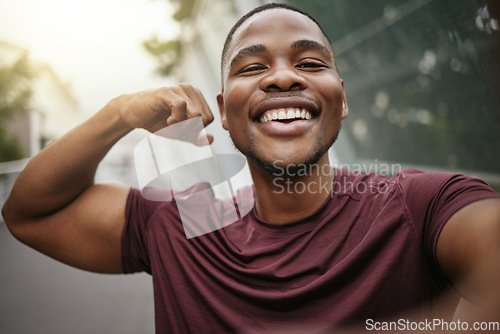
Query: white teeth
column 285, row 113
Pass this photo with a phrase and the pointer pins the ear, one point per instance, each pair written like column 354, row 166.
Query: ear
column 345, row 107
column 222, row 110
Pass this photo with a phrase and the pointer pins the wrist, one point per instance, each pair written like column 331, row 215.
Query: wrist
column 111, row 116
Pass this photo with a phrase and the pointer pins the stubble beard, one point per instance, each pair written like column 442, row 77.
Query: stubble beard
column 275, row 168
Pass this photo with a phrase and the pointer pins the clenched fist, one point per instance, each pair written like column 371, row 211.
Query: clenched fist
column 155, row 109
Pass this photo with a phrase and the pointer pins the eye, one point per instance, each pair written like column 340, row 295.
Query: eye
column 311, row 65
column 252, row 69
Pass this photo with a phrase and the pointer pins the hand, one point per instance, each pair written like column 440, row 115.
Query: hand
column 157, row 108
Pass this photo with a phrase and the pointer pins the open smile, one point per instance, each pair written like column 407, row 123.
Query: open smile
column 285, row 108
column 286, row 122
column 285, row 114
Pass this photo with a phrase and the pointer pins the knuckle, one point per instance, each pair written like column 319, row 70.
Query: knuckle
column 182, row 103
column 163, row 91
column 194, row 112
column 176, row 89
column 185, row 86
column 179, row 103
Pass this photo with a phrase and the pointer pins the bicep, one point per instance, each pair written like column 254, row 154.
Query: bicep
column 87, row 233
column 468, row 240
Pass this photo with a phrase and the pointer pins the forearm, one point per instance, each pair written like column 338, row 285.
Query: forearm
column 63, row 170
column 481, row 287
column 469, row 253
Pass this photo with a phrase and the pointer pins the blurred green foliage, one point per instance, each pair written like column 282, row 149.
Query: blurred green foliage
column 15, row 94
column 169, row 52
column 184, row 9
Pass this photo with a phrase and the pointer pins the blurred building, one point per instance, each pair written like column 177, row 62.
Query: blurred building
column 52, row 111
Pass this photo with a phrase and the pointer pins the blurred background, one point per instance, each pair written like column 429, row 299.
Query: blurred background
column 422, row 79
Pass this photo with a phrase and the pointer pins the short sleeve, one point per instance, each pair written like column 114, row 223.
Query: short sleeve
column 432, row 198
column 135, row 254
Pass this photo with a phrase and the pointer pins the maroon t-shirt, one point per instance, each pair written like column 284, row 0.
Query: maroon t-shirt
column 367, row 253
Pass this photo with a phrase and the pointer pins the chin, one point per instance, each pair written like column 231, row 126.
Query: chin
column 276, row 166
column 276, row 160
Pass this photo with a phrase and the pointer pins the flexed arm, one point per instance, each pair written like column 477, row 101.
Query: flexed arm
column 56, row 208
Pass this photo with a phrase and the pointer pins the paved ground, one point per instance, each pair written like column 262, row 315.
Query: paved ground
column 40, row 295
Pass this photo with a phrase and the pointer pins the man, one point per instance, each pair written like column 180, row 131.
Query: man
column 302, row 261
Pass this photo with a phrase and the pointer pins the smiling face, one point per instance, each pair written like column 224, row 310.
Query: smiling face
column 283, row 100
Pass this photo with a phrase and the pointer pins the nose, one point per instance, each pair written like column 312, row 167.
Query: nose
column 282, row 78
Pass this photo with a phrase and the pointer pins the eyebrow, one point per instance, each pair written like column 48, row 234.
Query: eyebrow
column 248, row 52
column 310, row 44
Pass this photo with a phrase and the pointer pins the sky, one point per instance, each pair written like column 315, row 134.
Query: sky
column 94, row 45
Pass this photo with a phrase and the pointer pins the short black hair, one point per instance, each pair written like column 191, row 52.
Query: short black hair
column 251, row 13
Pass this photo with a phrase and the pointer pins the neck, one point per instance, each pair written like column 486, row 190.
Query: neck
column 285, row 197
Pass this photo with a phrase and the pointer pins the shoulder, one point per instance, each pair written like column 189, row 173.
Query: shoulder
column 445, row 187
column 420, row 192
